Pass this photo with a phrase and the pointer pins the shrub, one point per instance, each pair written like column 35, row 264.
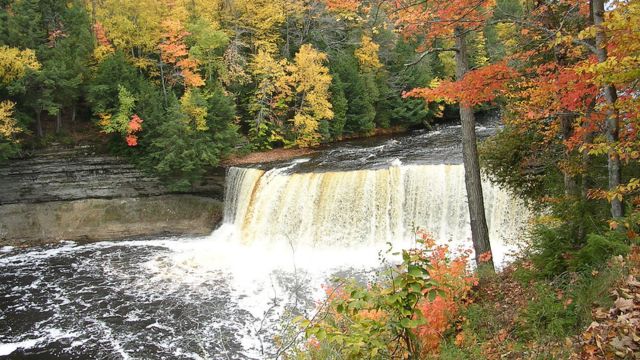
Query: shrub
column 599, row 249
column 403, row 314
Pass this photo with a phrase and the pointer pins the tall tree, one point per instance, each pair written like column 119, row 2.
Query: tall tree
column 311, row 80
column 456, row 20
column 611, row 96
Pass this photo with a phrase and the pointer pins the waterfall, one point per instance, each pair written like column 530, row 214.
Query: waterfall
column 361, row 207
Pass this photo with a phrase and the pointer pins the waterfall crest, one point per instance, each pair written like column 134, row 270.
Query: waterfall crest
column 361, row 207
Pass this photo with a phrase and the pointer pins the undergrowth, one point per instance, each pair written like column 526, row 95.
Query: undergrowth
column 429, row 306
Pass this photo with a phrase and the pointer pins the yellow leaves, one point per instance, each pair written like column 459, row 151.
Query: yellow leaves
column 271, row 75
column 8, row 125
column 448, row 62
column 587, row 33
column 367, row 54
column 132, row 25
column 100, row 52
column 479, row 49
column 15, row 63
column 264, row 64
column 311, row 79
column 104, row 120
column 306, row 80
column 264, row 18
column 193, row 106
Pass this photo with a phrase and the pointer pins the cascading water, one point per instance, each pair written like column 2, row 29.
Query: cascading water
column 287, row 229
column 361, row 207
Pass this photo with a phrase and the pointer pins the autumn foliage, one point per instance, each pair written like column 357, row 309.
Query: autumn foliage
column 479, row 86
column 404, row 313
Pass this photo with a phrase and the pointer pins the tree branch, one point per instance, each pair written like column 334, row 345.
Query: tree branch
column 430, row 51
column 548, row 31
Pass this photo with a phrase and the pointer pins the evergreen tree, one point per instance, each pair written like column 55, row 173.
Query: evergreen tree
column 361, row 112
column 340, row 104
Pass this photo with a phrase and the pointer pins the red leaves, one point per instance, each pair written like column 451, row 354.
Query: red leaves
column 132, row 140
column 477, row 86
column 134, row 126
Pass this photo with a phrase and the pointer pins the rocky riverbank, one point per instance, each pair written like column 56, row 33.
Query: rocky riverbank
column 79, row 195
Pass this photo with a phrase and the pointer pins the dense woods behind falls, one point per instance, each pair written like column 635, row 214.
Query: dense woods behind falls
column 176, row 86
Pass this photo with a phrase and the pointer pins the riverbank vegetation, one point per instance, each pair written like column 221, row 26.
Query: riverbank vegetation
column 430, row 305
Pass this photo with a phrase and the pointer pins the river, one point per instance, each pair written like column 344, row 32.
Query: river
column 288, row 228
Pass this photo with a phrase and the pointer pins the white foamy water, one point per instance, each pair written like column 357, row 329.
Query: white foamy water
column 362, row 207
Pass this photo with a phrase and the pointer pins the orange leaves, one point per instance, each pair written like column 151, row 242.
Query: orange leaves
column 404, row 313
column 104, row 46
column 134, row 126
column 477, row 86
column 174, row 51
column 454, row 283
column 485, row 257
column 434, row 19
column 343, row 5
column 101, row 34
column 132, row 140
column 172, row 48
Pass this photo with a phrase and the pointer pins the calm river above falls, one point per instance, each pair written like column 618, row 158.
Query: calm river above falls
column 287, row 229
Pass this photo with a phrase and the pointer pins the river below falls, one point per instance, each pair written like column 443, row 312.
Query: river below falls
column 229, row 295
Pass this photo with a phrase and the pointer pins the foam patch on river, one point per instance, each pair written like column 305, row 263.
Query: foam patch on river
column 172, row 298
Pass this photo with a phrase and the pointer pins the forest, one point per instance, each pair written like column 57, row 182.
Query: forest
column 208, row 77
column 176, row 86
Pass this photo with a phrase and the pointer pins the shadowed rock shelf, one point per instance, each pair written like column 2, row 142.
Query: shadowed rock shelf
column 75, row 194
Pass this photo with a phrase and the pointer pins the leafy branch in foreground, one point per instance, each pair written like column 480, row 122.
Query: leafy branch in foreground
column 403, row 314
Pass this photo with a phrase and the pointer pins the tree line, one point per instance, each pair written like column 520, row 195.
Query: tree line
column 180, row 84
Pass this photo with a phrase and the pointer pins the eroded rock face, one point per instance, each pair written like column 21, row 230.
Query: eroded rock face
column 75, row 194
column 60, row 174
column 107, row 219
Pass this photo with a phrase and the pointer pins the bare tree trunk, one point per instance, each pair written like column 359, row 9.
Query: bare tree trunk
column 164, row 87
column 611, row 97
column 473, row 180
column 570, row 185
column 74, row 112
column 587, row 182
column 39, row 123
column 58, row 121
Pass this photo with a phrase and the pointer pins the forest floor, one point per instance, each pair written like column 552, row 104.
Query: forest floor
column 515, row 316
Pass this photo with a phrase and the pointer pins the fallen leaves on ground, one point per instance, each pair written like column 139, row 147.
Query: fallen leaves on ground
column 615, row 332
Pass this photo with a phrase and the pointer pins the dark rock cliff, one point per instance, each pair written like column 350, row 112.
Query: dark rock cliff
column 62, row 174
column 77, row 194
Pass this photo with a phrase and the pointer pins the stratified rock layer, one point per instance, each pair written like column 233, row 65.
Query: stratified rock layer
column 76, row 194
column 107, row 219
